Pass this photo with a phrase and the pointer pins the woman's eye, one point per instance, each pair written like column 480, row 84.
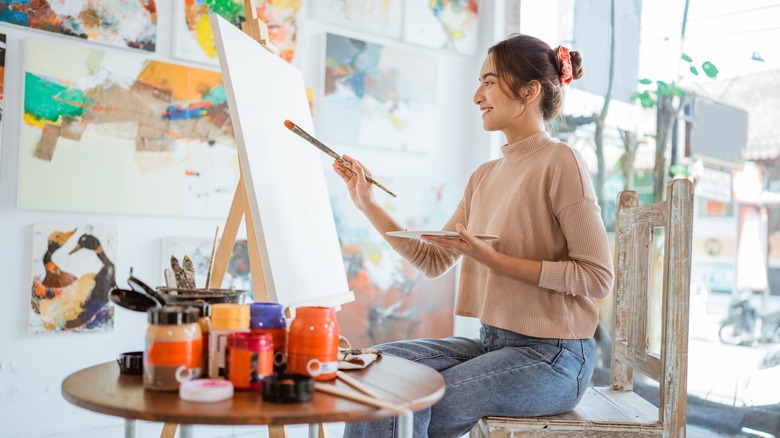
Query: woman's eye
column 487, row 83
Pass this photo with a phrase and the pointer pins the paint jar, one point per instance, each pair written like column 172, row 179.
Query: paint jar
column 249, row 358
column 313, row 344
column 269, row 318
column 174, row 345
column 226, row 318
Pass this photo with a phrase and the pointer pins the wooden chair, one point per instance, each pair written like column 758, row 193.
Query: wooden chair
column 617, row 410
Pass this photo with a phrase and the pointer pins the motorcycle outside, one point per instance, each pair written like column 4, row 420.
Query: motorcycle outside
column 746, row 325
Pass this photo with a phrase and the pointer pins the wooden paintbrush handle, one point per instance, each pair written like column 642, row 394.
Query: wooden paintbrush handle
column 357, row 397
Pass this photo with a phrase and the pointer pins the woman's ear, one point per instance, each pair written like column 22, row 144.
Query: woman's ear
column 531, row 91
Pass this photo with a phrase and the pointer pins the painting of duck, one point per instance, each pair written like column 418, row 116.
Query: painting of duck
column 56, row 277
column 81, row 304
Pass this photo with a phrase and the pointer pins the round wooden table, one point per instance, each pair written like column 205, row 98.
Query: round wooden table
column 103, row 389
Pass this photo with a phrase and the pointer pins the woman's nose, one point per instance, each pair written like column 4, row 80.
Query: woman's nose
column 477, row 99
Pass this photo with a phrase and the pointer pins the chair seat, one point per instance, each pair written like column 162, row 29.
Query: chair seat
column 602, row 412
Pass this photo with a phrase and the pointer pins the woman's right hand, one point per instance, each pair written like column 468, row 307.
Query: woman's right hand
column 359, row 188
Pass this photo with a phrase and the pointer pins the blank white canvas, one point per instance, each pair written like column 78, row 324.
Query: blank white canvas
column 285, row 182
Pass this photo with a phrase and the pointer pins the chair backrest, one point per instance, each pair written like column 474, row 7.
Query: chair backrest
column 634, row 246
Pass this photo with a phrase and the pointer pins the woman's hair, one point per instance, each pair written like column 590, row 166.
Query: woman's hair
column 522, row 59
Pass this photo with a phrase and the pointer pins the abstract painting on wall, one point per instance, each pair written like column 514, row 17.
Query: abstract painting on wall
column 194, row 41
column 122, row 23
column 375, row 97
column 378, row 16
column 2, row 89
column 198, row 249
column 117, row 133
column 393, row 300
column 442, row 24
column 72, row 274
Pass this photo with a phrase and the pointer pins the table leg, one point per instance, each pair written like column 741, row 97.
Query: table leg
column 186, row 431
column 314, row 431
column 129, row 428
column 276, row 432
column 405, row 425
column 322, row 431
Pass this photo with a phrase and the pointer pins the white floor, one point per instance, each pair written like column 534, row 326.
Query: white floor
column 152, row 430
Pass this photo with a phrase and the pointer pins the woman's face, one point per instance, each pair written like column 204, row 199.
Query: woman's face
column 499, row 111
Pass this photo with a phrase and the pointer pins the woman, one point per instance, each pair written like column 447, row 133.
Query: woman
column 533, row 289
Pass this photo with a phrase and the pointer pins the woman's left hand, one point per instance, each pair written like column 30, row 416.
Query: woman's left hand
column 468, row 244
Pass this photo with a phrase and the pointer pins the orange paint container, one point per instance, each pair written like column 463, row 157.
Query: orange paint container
column 249, row 358
column 313, row 343
column 174, row 346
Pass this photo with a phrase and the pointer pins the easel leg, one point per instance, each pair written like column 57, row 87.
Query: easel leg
column 322, row 433
column 276, row 432
column 169, row 430
column 238, row 209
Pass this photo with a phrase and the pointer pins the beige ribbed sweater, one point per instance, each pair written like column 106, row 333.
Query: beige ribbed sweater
column 540, row 201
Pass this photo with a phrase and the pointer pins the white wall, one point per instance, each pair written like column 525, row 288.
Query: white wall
column 32, row 367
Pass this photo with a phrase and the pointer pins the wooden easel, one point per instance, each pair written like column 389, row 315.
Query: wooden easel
column 258, row 30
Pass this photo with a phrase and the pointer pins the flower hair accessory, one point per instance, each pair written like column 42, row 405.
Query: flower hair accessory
column 562, row 53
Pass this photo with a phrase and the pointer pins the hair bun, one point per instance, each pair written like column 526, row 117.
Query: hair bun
column 576, row 64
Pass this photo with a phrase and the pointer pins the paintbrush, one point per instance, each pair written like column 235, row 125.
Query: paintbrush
column 211, row 259
column 189, row 272
column 319, row 145
column 178, row 272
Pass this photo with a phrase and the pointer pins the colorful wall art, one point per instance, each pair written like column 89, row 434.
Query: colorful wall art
column 198, row 249
column 442, row 24
column 122, row 23
column 2, row 87
column 108, row 132
column 194, row 41
column 393, row 300
column 377, row 16
column 375, row 97
column 72, row 274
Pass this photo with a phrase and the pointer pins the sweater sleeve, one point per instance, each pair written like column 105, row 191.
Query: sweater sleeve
column 588, row 271
column 433, row 260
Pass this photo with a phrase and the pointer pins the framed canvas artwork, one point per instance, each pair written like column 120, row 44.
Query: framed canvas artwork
column 72, row 274
column 194, row 40
column 375, row 97
column 111, row 132
column 442, row 24
column 237, row 275
column 393, row 300
column 121, row 23
column 376, row 16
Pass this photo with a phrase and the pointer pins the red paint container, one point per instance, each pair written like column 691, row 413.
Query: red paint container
column 248, row 358
column 313, row 343
column 269, row 318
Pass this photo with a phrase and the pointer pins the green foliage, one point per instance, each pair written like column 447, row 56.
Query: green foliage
column 648, row 97
column 679, row 171
column 710, row 70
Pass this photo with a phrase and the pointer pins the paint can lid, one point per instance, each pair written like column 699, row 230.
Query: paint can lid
column 287, row 388
column 206, row 390
column 266, row 316
column 229, row 316
column 172, row 315
column 131, row 362
column 250, row 341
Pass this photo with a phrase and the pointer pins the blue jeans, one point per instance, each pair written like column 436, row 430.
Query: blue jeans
column 503, row 373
